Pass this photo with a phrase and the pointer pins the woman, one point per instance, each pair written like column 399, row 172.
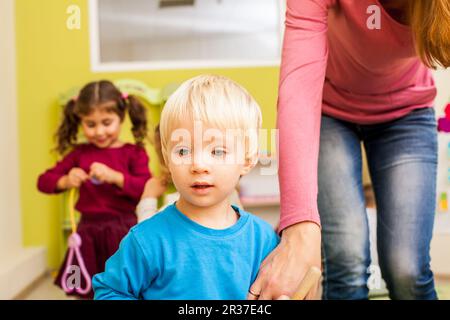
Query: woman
column 357, row 71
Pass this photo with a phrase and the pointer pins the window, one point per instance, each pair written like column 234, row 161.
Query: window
column 167, row 34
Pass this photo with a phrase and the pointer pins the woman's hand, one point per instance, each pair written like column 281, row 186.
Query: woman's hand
column 284, row 268
column 154, row 188
column 73, row 179
column 105, row 174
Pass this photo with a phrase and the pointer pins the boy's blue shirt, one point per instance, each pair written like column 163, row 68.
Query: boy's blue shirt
column 169, row 256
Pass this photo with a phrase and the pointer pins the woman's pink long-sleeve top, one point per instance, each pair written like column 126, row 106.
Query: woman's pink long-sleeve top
column 336, row 61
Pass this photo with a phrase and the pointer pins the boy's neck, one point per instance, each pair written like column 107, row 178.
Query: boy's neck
column 218, row 216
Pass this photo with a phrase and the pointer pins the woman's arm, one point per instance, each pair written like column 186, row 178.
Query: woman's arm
column 302, row 76
column 303, row 66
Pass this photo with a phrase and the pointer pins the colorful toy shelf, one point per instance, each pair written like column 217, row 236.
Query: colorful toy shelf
column 444, row 160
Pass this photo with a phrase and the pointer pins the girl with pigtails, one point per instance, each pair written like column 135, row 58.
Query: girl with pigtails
column 109, row 173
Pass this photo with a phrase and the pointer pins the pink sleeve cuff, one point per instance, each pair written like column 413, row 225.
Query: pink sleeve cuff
column 289, row 220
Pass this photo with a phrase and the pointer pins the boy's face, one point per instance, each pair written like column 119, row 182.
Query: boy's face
column 204, row 164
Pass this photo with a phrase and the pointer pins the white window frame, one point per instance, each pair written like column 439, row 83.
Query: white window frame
column 98, row 66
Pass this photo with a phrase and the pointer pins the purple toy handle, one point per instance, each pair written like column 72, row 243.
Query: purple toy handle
column 74, row 247
column 95, row 181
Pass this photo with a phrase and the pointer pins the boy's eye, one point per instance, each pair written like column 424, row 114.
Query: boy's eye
column 182, row 151
column 90, row 124
column 106, row 122
column 219, row 152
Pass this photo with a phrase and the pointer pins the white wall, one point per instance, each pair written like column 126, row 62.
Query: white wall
column 442, row 78
column 440, row 253
column 18, row 266
column 10, row 235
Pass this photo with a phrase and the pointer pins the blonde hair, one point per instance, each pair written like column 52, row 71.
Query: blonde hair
column 430, row 23
column 216, row 101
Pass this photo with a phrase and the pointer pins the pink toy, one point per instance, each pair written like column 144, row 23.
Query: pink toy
column 444, row 123
column 74, row 243
column 447, row 111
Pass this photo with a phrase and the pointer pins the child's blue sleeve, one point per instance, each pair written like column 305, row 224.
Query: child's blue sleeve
column 127, row 273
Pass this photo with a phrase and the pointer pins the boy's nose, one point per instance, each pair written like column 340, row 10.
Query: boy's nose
column 199, row 165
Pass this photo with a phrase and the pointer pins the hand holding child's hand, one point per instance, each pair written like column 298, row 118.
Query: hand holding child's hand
column 105, row 174
column 75, row 178
column 154, row 188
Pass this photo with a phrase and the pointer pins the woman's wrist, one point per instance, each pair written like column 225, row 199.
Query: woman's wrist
column 305, row 237
column 301, row 231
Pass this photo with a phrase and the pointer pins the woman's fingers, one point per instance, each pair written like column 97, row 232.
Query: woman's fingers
column 287, row 269
column 255, row 290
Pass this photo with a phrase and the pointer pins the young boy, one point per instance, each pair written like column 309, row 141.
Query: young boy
column 157, row 186
column 200, row 247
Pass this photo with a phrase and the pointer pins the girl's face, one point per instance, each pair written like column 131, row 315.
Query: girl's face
column 102, row 128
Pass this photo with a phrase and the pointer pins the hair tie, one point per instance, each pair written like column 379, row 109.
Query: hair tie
column 125, row 95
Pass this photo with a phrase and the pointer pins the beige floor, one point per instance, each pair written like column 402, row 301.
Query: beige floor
column 44, row 289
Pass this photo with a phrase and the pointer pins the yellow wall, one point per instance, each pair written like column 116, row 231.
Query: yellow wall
column 52, row 59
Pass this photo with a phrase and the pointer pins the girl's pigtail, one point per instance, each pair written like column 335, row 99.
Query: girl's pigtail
column 66, row 135
column 138, row 117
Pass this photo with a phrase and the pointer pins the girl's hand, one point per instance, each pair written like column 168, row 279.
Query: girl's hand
column 105, row 174
column 73, row 179
column 284, row 268
column 154, row 188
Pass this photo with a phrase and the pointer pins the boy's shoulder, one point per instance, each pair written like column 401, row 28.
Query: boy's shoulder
column 259, row 224
column 157, row 224
column 263, row 234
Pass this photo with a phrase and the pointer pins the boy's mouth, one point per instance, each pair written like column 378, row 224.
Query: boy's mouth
column 202, row 187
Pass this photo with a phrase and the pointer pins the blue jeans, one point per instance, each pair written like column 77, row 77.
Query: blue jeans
column 402, row 160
